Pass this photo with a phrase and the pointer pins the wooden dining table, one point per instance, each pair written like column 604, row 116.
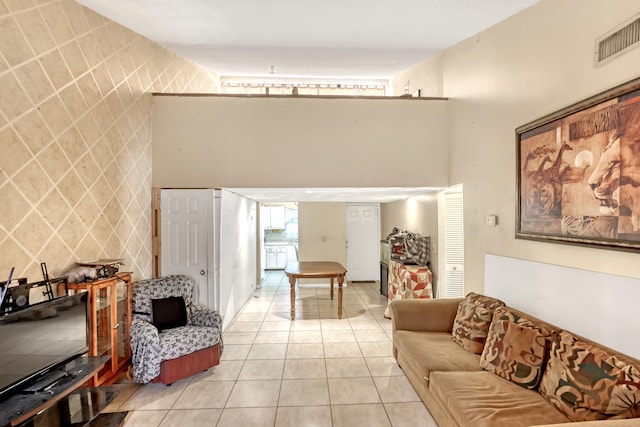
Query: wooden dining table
column 315, row 270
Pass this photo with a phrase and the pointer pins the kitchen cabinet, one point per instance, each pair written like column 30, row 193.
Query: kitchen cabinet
column 276, row 257
column 109, row 323
column 384, row 279
column 273, row 216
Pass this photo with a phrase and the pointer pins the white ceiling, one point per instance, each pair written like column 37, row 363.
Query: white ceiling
column 339, row 39
column 365, row 39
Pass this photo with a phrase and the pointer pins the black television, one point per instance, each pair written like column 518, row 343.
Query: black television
column 40, row 339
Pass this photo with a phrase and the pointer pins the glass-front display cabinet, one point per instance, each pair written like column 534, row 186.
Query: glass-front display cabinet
column 109, row 323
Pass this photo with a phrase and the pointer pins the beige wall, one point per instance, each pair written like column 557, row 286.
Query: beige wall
column 299, row 142
column 75, row 135
column 425, row 76
column 530, row 65
column 322, row 232
column 417, row 214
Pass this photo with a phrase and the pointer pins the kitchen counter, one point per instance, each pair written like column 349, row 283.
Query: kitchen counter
column 278, row 254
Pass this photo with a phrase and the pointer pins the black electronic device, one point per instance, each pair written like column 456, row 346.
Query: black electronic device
column 4, row 286
column 38, row 339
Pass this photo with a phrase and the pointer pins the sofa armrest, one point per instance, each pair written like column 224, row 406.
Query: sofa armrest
column 429, row 315
column 204, row 316
column 145, row 350
column 143, row 328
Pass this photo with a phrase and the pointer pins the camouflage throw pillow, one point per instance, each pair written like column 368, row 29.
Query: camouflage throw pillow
column 472, row 321
column 515, row 352
column 587, row 383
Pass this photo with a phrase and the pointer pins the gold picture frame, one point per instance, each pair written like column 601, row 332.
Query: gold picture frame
column 578, row 172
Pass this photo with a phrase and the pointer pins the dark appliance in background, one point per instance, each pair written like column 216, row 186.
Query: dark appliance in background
column 384, row 267
column 16, row 296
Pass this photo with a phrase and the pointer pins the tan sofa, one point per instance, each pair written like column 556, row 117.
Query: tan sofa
column 459, row 392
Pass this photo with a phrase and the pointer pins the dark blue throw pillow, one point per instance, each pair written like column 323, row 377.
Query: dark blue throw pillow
column 168, row 313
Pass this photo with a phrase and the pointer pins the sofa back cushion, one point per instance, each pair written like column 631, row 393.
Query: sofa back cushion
column 516, row 348
column 168, row 313
column 143, row 291
column 589, row 382
column 471, row 325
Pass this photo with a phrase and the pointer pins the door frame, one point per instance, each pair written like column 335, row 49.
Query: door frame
column 213, row 241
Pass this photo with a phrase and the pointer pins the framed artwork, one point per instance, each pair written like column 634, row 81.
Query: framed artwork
column 578, row 172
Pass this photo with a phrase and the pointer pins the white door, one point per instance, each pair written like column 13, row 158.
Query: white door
column 454, row 244
column 363, row 242
column 187, row 219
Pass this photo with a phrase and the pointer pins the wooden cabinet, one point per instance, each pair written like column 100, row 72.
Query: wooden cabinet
column 109, row 323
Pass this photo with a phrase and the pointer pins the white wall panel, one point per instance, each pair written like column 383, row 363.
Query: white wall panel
column 598, row 306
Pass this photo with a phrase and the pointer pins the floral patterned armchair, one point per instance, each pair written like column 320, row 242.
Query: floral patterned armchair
column 171, row 354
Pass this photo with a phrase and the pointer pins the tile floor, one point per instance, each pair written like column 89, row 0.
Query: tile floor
column 314, row 371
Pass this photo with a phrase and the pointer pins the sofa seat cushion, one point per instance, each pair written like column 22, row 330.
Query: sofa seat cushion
column 433, row 351
column 181, row 341
column 481, row 398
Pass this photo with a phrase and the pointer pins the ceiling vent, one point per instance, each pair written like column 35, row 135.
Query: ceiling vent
column 618, row 41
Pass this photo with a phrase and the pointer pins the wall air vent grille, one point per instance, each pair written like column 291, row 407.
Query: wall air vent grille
column 618, row 40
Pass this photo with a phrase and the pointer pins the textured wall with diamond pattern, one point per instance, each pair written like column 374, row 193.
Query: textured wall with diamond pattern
column 75, row 135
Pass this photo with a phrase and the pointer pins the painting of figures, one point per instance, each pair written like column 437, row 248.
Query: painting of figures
column 579, row 173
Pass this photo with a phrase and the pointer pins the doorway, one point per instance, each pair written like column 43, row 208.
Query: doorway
column 278, row 233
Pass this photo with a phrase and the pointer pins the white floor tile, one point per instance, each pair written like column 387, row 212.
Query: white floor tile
column 154, row 396
column 305, row 351
column 144, row 418
column 347, row 367
column 344, row 391
column 239, row 337
column 341, row 349
column 338, row 336
column 396, row 389
column 360, row 416
column 383, row 366
column 272, row 337
column 304, row 368
column 376, row 349
column 204, row 395
column 254, row 417
column 305, row 392
column 267, row 351
column 262, row 370
column 235, row 351
column 191, row 417
column 227, row 370
column 254, row 394
column 308, row 416
column 315, row 371
column 413, row 414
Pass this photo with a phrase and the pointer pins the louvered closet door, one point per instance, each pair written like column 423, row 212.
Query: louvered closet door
column 454, row 246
